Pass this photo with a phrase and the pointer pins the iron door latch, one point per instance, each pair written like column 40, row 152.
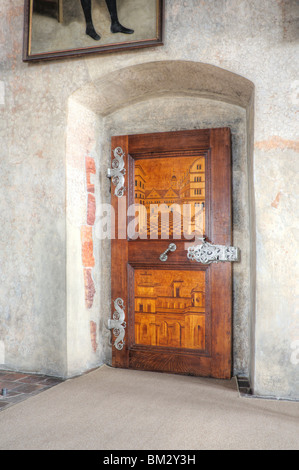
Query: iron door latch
column 206, row 253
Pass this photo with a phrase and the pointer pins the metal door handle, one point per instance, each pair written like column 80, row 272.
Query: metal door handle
column 164, row 256
column 208, row 253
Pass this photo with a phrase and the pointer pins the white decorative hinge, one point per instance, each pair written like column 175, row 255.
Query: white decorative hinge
column 118, row 171
column 208, row 253
column 118, row 324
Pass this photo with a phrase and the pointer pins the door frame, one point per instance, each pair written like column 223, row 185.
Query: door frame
column 209, row 140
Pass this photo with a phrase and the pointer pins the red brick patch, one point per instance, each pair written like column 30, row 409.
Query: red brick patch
column 93, row 335
column 90, row 170
column 87, row 239
column 89, row 288
column 91, row 209
column 87, row 247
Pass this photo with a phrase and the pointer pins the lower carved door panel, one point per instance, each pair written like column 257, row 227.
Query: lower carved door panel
column 170, row 309
column 170, row 312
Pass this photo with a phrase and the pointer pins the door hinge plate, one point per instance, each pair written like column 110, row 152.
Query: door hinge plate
column 118, row 171
column 118, row 324
column 206, row 253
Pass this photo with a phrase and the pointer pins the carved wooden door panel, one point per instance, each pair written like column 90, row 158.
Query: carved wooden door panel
column 171, row 312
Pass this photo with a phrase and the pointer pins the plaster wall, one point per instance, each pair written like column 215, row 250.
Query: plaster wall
column 253, row 39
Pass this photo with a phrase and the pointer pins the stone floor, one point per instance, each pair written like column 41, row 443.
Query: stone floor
column 164, row 412
column 16, row 387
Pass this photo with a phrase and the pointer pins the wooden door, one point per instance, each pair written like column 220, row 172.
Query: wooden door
column 174, row 315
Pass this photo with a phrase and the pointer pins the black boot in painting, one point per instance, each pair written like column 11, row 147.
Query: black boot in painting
column 116, row 27
column 90, row 31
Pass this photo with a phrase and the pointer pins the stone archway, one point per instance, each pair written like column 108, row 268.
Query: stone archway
column 149, row 97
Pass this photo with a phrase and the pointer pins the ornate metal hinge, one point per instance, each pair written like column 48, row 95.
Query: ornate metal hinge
column 118, row 324
column 118, row 171
column 208, row 253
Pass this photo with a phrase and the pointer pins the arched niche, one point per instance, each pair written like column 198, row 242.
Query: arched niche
column 153, row 97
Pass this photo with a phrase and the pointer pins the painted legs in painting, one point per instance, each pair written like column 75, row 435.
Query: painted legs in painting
column 116, row 27
column 90, row 31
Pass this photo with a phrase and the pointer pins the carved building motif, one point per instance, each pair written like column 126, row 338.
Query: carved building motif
column 164, row 182
column 170, row 309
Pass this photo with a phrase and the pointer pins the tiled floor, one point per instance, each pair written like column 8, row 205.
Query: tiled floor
column 19, row 387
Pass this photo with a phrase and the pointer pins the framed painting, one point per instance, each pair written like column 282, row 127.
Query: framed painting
column 70, row 28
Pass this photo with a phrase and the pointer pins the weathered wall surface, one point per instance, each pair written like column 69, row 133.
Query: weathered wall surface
column 38, row 315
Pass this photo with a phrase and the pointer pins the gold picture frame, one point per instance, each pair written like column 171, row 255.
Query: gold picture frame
column 55, row 29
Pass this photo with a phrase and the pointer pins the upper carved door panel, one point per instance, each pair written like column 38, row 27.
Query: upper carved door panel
column 171, row 189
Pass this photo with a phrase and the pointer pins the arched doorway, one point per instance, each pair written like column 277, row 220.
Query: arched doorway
column 150, row 97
